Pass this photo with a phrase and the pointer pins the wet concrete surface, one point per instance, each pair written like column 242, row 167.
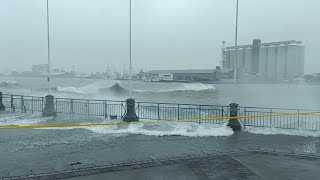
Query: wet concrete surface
column 36, row 151
column 278, row 168
column 209, row 167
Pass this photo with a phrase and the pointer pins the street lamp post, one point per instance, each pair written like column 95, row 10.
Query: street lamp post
column 48, row 48
column 49, row 102
column 130, row 48
column 131, row 115
column 236, row 53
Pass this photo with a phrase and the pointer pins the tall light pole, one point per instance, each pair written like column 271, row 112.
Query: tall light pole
column 49, row 103
column 130, row 49
column 131, row 115
column 236, row 52
column 48, row 48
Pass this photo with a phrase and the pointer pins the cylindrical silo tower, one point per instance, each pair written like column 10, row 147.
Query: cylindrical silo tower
column 240, row 59
column 263, row 61
column 248, row 59
column 281, row 62
column 232, row 58
column 226, row 60
column 272, row 62
column 301, row 60
column 293, row 61
column 255, row 55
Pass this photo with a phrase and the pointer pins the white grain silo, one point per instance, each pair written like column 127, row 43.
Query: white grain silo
column 226, row 60
column 293, row 61
column 272, row 62
column 301, row 60
column 240, row 59
column 232, row 58
column 248, row 59
column 263, row 61
column 281, row 62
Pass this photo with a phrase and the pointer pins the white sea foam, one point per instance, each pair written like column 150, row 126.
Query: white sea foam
column 21, row 120
column 196, row 87
column 69, row 89
column 10, row 83
column 167, row 129
column 275, row 131
column 183, row 87
column 191, row 87
column 94, row 87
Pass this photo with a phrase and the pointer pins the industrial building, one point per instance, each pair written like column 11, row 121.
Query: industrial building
column 40, row 69
column 192, row 75
column 283, row 60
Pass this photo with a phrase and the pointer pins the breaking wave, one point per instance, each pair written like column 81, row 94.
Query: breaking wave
column 167, row 129
column 194, row 87
column 97, row 87
column 9, row 84
column 69, row 89
column 115, row 89
column 184, row 87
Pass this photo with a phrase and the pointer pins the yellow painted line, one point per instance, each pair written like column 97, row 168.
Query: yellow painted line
column 147, row 122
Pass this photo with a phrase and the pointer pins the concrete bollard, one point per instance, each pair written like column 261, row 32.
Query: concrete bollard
column 2, row 107
column 48, row 110
column 234, row 123
column 131, row 115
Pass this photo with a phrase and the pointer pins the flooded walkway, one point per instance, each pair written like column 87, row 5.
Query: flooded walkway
column 36, row 151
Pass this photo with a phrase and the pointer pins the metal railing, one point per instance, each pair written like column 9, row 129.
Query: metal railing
column 301, row 119
column 68, row 106
column 252, row 116
column 170, row 111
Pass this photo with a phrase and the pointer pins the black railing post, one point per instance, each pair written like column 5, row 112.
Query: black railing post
column 158, row 111
column 87, row 110
column 270, row 118
column 199, row 114
column 222, row 111
column 56, row 104
column 131, row 115
column 234, row 123
column 49, row 107
column 71, row 107
column 178, row 112
column 298, row 120
column 139, row 111
column 12, row 105
column 2, row 107
column 245, row 119
column 105, row 109
column 42, row 102
column 22, row 104
column 32, row 105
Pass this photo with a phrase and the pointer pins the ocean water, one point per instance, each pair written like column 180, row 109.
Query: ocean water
column 302, row 96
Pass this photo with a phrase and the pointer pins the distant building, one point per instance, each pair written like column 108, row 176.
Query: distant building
column 40, row 69
column 272, row 61
column 191, row 75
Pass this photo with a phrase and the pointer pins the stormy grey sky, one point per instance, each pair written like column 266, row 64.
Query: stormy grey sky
column 167, row 34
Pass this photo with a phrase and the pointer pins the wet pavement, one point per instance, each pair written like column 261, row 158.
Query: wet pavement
column 35, row 151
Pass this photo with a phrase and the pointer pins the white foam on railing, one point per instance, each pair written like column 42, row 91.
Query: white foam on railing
column 275, row 131
column 167, row 129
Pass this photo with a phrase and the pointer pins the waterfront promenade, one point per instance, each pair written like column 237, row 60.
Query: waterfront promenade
column 35, row 151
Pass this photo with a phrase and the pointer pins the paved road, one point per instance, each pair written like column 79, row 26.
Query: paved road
column 48, row 150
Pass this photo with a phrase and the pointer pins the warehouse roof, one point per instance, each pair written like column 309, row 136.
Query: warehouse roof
column 182, row 71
